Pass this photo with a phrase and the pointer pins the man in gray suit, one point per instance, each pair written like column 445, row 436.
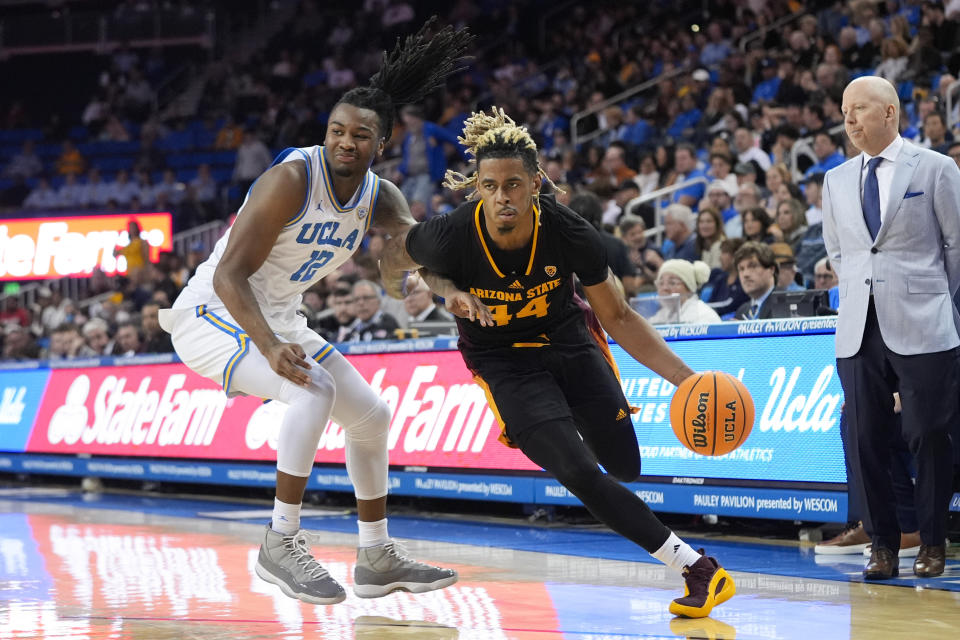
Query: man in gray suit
column 891, row 223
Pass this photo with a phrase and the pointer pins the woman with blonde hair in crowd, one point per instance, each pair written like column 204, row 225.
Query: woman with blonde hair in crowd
column 790, row 223
column 709, row 236
column 893, row 66
column 776, row 176
column 683, row 279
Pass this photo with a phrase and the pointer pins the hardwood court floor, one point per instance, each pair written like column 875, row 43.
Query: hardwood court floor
column 152, row 568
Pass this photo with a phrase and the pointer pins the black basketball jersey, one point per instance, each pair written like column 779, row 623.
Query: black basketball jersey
column 530, row 290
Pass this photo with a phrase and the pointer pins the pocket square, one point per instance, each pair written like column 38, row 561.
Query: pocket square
column 912, row 194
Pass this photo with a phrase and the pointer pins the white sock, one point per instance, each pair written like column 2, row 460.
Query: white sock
column 372, row 533
column 286, row 518
column 676, row 554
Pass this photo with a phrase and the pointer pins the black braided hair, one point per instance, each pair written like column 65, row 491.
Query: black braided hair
column 413, row 70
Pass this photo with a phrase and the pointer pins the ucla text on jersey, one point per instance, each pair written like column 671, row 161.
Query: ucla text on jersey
column 320, row 237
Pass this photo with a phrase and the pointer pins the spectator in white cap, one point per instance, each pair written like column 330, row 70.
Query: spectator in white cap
column 683, row 279
column 720, row 195
column 96, row 338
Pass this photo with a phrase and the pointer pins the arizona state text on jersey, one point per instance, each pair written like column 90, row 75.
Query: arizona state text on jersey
column 530, row 290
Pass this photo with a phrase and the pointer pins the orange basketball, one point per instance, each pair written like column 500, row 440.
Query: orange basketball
column 711, row 413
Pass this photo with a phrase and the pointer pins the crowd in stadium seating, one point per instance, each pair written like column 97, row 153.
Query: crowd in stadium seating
column 725, row 110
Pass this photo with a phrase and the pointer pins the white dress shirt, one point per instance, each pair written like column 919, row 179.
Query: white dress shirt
column 884, row 172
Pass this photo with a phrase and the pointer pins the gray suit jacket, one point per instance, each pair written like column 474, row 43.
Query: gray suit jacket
column 914, row 264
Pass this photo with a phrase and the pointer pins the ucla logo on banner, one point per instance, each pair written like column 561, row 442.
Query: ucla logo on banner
column 12, row 405
column 788, row 409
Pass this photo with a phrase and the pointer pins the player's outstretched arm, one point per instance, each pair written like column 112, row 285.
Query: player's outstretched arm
column 396, row 265
column 634, row 333
column 396, row 260
column 393, row 217
column 275, row 199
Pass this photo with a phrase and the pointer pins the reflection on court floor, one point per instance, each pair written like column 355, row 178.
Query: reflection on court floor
column 72, row 570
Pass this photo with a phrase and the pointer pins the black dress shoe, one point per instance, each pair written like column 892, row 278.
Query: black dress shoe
column 883, row 565
column 930, row 560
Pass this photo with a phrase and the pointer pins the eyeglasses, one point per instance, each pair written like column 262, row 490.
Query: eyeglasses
column 370, row 297
column 822, row 276
column 670, row 282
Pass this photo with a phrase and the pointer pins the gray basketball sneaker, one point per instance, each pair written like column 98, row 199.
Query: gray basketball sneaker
column 384, row 568
column 286, row 562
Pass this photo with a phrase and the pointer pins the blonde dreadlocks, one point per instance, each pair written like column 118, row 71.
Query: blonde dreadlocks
column 495, row 136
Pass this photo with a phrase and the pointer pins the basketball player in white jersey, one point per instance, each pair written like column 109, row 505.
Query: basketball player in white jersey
column 236, row 321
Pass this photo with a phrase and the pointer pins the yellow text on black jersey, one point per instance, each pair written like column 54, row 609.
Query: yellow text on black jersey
column 493, row 294
column 541, row 289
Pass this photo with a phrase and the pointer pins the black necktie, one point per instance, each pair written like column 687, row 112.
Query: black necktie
column 871, row 198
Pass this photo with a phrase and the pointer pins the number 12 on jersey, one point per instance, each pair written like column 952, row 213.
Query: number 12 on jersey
column 317, row 260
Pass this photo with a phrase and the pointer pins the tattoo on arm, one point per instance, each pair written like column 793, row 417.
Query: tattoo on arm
column 392, row 214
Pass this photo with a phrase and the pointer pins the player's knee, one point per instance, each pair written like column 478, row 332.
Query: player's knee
column 626, row 475
column 373, row 426
column 578, row 476
column 625, row 469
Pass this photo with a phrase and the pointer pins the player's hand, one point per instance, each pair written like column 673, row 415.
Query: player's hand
column 468, row 306
column 410, row 283
column 290, row 361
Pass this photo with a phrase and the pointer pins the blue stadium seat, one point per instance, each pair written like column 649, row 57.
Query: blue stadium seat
column 132, row 146
column 176, row 141
column 203, row 139
column 21, row 135
column 180, row 161
column 223, row 158
column 115, row 163
column 88, row 148
column 48, row 150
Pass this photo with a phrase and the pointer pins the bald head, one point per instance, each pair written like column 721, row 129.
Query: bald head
column 877, row 88
column 871, row 111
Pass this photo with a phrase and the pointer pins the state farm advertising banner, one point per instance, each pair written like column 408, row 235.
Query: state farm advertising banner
column 41, row 248
column 440, row 418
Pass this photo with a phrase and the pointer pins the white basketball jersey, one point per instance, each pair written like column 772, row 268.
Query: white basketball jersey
column 321, row 237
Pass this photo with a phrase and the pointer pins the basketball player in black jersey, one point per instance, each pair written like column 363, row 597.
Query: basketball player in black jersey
column 508, row 261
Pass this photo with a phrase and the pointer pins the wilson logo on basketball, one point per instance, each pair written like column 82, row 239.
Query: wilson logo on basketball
column 711, row 413
column 699, row 423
